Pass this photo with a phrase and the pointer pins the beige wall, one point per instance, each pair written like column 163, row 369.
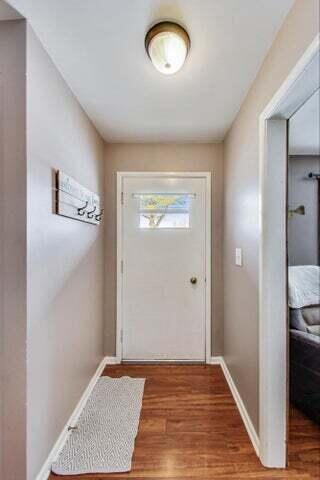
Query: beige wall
column 13, row 266
column 241, row 181
column 65, row 257
column 160, row 157
column 65, row 263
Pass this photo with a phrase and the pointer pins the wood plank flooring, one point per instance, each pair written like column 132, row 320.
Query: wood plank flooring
column 191, row 429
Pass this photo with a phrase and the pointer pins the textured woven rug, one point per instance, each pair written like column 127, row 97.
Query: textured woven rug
column 108, row 425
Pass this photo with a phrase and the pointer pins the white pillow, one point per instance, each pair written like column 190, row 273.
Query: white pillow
column 314, row 329
column 304, row 286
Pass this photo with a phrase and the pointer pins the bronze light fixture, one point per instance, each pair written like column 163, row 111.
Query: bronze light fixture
column 167, row 45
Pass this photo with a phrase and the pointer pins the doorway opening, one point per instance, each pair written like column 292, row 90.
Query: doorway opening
column 303, row 228
column 299, row 87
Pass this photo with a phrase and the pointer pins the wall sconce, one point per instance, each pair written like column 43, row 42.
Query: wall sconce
column 297, row 211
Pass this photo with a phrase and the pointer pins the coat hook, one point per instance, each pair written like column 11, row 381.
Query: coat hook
column 100, row 215
column 82, row 210
column 90, row 214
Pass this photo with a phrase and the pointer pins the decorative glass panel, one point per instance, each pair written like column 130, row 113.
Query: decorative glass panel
column 164, row 210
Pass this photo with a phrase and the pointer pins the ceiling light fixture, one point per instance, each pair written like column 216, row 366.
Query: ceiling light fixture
column 167, row 45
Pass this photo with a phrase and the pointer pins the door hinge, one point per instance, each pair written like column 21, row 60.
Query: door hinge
column 121, row 266
column 121, row 336
column 122, row 198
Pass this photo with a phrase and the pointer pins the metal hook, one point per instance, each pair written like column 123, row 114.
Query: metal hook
column 82, row 210
column 90, row 214
column 100, row 215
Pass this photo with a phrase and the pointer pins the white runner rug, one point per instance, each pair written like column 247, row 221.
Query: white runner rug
column 108, row 425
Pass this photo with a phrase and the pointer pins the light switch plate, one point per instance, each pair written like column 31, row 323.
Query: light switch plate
column 239, row 257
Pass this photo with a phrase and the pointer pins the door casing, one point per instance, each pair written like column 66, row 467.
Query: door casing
column 208, row 250
column 299, row 86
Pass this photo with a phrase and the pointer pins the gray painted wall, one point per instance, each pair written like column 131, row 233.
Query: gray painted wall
column 162, row 157
column 65, row 257
column 303, row 242
column 241, row 203
column 13, row 250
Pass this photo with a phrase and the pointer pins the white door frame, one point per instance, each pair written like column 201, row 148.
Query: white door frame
column 301, row 83
column 207, row 177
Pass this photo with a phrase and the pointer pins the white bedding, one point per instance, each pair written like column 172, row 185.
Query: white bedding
column 304, row 286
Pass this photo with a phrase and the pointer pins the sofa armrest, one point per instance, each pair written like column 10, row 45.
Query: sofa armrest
column 305, row 337
column 305, row 373
column 305, row 350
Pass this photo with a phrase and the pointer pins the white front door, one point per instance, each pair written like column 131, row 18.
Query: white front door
column 163, row 267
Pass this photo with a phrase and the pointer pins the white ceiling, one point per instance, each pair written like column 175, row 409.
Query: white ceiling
column 7, row 12
column 304, row 128
column 98, row 45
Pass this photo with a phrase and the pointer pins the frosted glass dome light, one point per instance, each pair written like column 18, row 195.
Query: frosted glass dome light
column 167, row 45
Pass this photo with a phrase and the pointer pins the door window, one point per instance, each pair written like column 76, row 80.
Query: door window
column 164, row 210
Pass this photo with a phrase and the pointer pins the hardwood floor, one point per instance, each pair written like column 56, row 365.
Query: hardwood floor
column 190, row 429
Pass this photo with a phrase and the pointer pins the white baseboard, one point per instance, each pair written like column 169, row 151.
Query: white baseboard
column 46, row 468
column 241, row 407
column 162, row 362
column 215, row 361
column 112, row 360
column 237, row 398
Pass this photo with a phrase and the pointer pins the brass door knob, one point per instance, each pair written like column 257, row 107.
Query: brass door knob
column 193, row 280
